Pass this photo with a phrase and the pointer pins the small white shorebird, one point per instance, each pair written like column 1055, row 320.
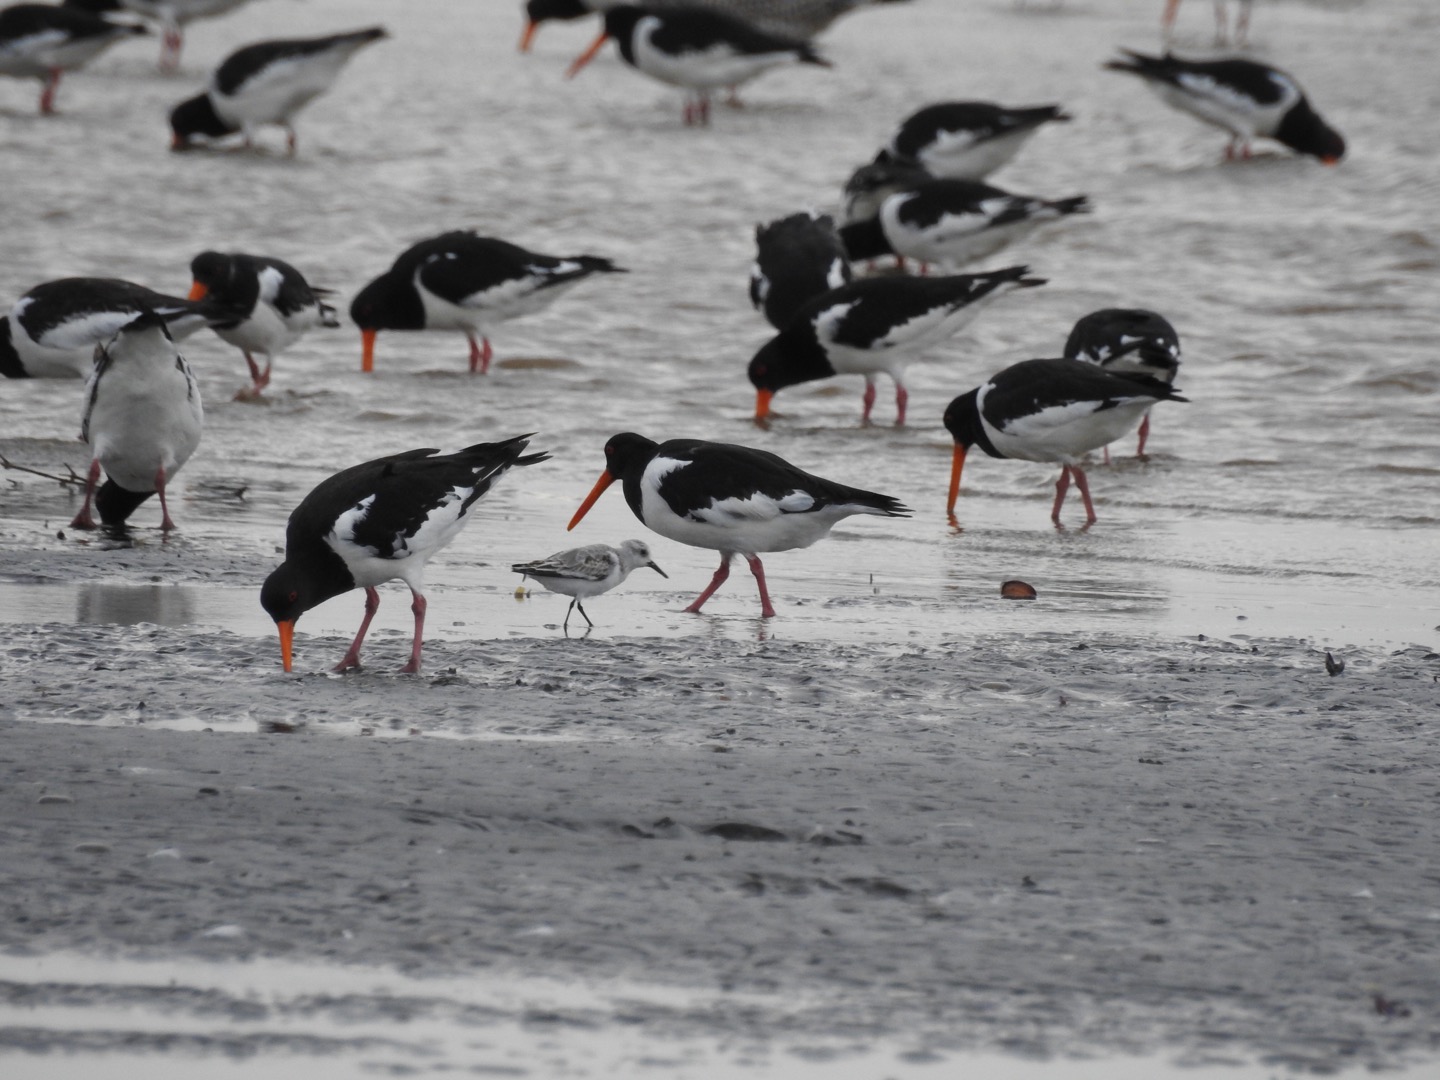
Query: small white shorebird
column 588, row 571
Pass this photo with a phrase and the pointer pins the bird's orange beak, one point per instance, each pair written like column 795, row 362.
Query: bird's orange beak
column 367, row 350
column 599, row 489
column 762, row 404
column 287, row 636
column 197, row 291
column 529, row 35
column 956, row 465
column 588, row 55
column 1330, row 160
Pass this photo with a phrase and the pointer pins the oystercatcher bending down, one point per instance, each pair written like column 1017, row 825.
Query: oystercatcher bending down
column 1245, row 98
column 797, row 257
column 965, row 140
column 695, row 49
column 41, row 41
column 376, row 522
column 731, row 499
column 143, row 419
column 588, row 571
column 52, row 330
column 266, row 83
column 1127, row 341
column 871, row 326
column 460, row 281
column 172, row 15
column 274, row 305
column 1050, row 410
column 952, row 222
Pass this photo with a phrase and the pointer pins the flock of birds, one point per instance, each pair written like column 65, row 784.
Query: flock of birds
column 923, row 199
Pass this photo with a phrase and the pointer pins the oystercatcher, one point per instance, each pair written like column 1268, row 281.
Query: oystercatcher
column 1127, row 341
column 266, row 83
column 1050, row 410
column 377, row 522
column 41, row 41
column 274, row 303
column 731, row 499
column 965, row 140
column 52, row 330
column 143, row 419
column 461, row 281
column 952, row 222
column 695, row 49
column 870, row 185
column 871, row 326
column 1222, row 31
column 797, row 257
column 588, row 571
column 1245, row 98
column 172, row 15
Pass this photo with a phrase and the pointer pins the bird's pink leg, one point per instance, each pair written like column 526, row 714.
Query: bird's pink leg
column 47, row 94
column 1167, row 21
column 1084, row 486
column 418, row 607
column 84, row 519
column 1242, row 22
column 170, row 49
column 1106, row 452
column 766, row 610
column 1144, row 434
column 715, row 583
column 1061, row 487
column 166, row 525
column 480, row 354
column 291, row 141
column 352, row 654
column 868, row 401
column 902, row 398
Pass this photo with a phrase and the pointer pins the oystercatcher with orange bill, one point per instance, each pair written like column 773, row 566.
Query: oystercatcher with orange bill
column 376, row 522
column 966, row 140
column 1243, row 97
column 1050, row 410
column 1127, row 341
column 274, row 305
column 266, row 83
column 42, row 41
column 461, row 281
column 796, row 258
column 871, row 326
column 696, row 49
column 731, row 499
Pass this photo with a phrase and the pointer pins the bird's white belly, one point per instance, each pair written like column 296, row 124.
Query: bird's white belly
column 730, row 529
column 266, row 332
column 961, row 157
column 1066, row 434
column 706, row 70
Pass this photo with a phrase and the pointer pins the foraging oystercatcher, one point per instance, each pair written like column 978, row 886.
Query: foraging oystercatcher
column 952, row 222
column 172, row 15
column 274, row 303
column 871, row 326
column 695, row 49
column 588, row 571
column 143, row 419
column 1222, row 32
column 52, row 330
column 41, row 41
column 1050, row 410
column 1127, row 341
column 376, row 522
column 266, row 83
column 965, row 140
column 797, row 257
column 1245, row 98
column 461, row 281
column 732, row 499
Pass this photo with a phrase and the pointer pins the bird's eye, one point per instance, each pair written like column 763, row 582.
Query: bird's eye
column 292, row 598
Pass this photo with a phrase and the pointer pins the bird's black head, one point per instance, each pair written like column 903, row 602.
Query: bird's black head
column 388, row 304
column 1305, row 132
column 789, row 358
column 212, row 269
column 962, row 419
column 538, row 11
column 620, row 21
column 287, row 594
column 628, row 453
column 194, row 119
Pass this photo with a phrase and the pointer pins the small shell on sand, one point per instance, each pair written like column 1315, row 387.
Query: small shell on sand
column 1017, row 590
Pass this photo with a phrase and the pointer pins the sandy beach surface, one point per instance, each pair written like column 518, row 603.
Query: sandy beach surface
column 906, row 829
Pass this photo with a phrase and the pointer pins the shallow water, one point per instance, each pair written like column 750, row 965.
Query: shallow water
column 1294, row 498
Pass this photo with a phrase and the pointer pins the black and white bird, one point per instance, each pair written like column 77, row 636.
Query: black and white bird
column 172, row 15
column 732, row 499
column 143, row 420
column 796, row 258
column 1127, row 341
column 966, row 140
column 951, row 223
column 696, row 49
column 381, row 521
column 1050, row 410
column 583, row 572
column 274, row 305
column 870, row 185
column 265, row 83
column 52, row 330
column 1247, row 99
column 461, row 281
column 42, row 41
column 873, row 326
